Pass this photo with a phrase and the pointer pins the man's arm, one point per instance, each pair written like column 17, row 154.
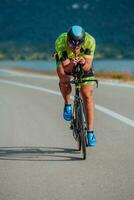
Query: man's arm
column 68, row 65
column 86, row 62
column 89, row 55
column 66, row 62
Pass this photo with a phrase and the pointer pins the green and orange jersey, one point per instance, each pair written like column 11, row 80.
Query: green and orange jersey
column 87, row 49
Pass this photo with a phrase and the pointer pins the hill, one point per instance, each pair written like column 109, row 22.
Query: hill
column 30, row 27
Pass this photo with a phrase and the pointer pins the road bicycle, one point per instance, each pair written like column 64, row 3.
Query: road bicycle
column 78, row 123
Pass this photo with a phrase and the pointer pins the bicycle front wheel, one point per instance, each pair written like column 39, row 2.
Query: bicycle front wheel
column 82, row 131
column 76, row 129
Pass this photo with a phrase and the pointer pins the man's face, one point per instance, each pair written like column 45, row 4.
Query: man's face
column 75, row 48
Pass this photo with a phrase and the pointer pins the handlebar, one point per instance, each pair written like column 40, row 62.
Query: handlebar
column 83, row 81
column 77, row 74
column 79, row 81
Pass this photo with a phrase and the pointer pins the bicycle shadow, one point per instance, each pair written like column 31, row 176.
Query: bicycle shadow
column 39, row 154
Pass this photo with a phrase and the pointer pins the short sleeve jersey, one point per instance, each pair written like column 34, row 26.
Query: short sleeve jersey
column 87, row 50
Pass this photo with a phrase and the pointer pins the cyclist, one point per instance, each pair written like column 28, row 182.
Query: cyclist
column 72, row 47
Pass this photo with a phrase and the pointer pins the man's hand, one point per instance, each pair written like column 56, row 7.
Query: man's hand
column 80, row 60
column 75, row 61
column 85, row 62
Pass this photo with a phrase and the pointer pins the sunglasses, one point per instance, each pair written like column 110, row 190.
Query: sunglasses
column 73, row 45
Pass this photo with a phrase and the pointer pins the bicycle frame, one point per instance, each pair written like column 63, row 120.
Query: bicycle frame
column 78, row 101
column 78, row 123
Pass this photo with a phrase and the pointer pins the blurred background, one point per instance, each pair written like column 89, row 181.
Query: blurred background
column 29, row 29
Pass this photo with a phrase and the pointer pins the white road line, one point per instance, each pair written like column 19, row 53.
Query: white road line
column 41, row 76
column 98, row 107
column 25, row 74
column 115, row 115
column 30, row 86
column 117, row 84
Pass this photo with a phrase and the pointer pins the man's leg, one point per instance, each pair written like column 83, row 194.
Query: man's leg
column 64, row 88
column 87, row 94
column 66, row 93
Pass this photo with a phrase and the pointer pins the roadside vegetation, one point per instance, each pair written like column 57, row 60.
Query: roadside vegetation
column 12, row 51
column 122, row 76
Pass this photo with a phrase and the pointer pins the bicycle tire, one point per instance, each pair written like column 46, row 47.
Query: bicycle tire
column 79, row 142
column 82, row 131
column 76, row 128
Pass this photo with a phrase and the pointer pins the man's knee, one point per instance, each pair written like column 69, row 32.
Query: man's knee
column 60, row 72
column 62, row 84
column 87, row 92
column 87, row 89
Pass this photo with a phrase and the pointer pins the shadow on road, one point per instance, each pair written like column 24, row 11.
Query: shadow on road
column 39, row 154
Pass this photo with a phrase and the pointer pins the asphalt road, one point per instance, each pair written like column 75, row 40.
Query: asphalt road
column 38, row 156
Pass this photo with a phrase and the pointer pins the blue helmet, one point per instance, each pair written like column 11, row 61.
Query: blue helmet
column 76, row 35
